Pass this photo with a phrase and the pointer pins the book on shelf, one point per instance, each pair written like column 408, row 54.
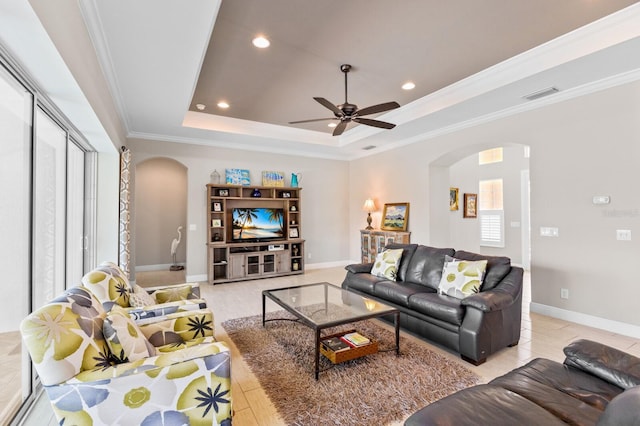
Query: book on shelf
column 355, row 339
column 334, row 344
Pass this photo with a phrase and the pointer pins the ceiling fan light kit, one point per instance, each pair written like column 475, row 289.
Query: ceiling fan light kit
column 348, row 112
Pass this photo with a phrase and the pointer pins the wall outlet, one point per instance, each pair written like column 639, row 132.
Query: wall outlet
column 308, row 255
column 564, row 293
column 623, row 234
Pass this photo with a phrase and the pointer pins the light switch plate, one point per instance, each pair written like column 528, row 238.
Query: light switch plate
column 601, row 199
column 192, row 227
column 546, row 231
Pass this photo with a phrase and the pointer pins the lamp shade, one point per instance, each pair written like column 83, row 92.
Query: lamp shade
column 369, row 206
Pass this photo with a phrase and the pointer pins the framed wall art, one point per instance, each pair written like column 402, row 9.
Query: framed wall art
column 470, row 206
column 395, row 217
column 453, row 199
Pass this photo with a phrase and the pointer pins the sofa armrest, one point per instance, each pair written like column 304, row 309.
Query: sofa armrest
column 178, row 327
column 501, row 296
column 359, row 268
column 610, row 364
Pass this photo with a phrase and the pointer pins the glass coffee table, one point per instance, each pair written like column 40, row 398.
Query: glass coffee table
column 323, row 305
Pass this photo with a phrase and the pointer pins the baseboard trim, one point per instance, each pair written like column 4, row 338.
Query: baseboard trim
column 588, row 320
column 197, row 278
column 147, row 268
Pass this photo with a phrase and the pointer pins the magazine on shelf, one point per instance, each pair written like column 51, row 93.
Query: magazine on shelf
column 355, row 339
column 334, row 344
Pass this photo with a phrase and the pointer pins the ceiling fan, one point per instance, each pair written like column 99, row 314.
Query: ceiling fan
column 349, row 112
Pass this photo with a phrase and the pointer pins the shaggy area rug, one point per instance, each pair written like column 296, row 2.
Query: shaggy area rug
column 376, row 389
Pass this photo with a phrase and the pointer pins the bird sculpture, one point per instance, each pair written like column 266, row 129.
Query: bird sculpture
column 174, row 248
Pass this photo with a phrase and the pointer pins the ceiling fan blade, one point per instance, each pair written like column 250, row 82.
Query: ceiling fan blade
column 312, row 120
column 374, row 123
column 340, row 128
column 325, row 103
column 378, row 108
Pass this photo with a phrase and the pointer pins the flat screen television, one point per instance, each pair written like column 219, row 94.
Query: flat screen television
column 257, row 224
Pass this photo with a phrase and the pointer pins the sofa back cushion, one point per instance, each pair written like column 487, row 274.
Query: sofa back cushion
column 109, row 285
column 407, row 254
column 497, row 267
column 64, row 337
column 426, row 266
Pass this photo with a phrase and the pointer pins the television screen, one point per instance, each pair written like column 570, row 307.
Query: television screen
column 257, row 224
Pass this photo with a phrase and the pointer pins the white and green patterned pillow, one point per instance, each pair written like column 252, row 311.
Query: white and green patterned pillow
column 461, row 278
column 139, row 298
column 124, row 337
column 386, row 264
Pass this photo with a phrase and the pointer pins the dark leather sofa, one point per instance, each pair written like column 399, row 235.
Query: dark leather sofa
column 475, row 327
column 596, row 385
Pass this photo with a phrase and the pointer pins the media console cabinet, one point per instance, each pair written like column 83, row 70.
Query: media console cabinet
column 232, row 257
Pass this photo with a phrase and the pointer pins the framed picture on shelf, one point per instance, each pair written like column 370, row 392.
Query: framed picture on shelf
column 395, row 217
column 470, row 205
column 285, row 194
column 237, row 177
column 216, row 223
column 293, row 233
column 271, row 178
column 217, row 206
column 223, row 192
column 453, row 199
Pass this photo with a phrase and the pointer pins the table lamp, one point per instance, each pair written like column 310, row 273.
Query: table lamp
column 369, row 206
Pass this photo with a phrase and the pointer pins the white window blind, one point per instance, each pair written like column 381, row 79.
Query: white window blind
column 491, row 213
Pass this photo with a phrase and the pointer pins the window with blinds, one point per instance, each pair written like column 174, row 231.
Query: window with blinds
column 491, row 213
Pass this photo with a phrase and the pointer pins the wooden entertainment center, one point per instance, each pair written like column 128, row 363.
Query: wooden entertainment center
column 232, row 257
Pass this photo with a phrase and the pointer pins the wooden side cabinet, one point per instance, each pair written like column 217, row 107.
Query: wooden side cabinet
column 373, row 242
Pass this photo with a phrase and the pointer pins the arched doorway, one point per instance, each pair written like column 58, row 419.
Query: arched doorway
column 160, row 209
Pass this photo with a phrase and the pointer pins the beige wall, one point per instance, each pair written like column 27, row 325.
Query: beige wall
column 325, row 197
column 579, row 148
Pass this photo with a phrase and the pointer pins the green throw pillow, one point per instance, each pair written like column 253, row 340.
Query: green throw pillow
column 386, row 264
column 126, row 341
column 461, row 278
column 175, row 294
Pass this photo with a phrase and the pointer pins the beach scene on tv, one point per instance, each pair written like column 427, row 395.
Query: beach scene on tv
column 257, row 224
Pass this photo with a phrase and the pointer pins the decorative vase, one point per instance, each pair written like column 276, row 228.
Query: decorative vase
column 295, row 250
column 294, row 179
column 215, row 177
column 296, row 266
column 256, row 193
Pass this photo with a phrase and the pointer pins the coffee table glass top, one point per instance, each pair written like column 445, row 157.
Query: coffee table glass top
column 325, row 303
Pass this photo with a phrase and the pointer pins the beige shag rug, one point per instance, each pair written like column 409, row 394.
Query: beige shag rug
column 376, row 389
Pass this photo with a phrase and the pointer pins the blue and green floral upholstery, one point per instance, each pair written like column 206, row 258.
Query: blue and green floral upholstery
column 188, row 382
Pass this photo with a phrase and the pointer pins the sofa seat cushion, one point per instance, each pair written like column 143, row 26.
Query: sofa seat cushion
column 440, row 306
column 570, row 394
column 397, row 292
column 361, row 282
column 426, row 266
column 483, row 405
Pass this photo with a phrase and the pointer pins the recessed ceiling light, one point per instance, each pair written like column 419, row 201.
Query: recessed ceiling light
column 223, row 105
column 261, row 42
column 409, row 85
column 332, row 124
column 201, row 107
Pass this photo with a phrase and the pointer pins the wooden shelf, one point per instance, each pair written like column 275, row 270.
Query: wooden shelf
column 230, row 260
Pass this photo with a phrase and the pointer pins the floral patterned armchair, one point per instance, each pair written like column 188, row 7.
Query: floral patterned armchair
column 99, row 367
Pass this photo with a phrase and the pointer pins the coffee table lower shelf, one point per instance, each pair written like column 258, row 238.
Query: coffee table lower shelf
column 348, row 354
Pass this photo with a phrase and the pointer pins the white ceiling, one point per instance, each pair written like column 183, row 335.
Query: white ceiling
column 470, row 64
